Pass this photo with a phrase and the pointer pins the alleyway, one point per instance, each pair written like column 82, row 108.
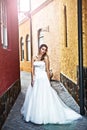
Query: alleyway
column 15, row 121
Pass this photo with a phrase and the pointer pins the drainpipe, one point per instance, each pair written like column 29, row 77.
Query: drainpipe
column 80, row 55
column 30, row 16
column 31, row 31
column 31, row 36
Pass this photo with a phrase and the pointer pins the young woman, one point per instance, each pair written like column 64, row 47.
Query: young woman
column 42, row 104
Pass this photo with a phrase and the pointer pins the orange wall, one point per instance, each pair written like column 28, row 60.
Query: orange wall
column 24, row 29
column 50, row 13
column 62, row 59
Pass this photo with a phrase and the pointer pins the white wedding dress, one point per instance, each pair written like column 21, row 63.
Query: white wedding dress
column 42, row 104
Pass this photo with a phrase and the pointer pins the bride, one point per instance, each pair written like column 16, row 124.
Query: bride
column 42, row 104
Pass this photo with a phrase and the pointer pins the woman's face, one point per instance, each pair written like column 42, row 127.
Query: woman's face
column 43, row 50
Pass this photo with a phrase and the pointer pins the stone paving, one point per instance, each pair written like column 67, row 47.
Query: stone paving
column 14, row 120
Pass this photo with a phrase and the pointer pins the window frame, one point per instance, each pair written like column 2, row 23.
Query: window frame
column 28, row 48
column 22, row 48
column 3, row 24
column 40, row 36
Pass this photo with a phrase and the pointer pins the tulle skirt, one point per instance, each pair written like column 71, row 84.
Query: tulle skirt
column 42, row 104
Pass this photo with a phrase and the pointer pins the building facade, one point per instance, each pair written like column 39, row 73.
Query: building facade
column 55, row 22
column 25, row 45
column 9, row 57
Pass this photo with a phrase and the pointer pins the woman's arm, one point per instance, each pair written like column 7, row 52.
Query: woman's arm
column 46, row 59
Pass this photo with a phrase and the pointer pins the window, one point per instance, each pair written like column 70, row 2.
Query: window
column 3, row 23
column 22, row 48
column 40, row 37
column 28, row 48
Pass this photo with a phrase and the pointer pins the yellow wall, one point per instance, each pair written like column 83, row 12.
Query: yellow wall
column 62, row 59
column 47, row 17
column 85, row 33
column 69, row 54
column 24, row 29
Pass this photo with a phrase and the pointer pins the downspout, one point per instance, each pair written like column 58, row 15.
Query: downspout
column 80, row 56
column 31, row 38
column 31, row 31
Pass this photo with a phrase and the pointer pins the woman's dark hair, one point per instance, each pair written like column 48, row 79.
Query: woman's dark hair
column 43, row 45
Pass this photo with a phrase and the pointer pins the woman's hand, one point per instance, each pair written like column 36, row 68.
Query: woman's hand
column 32, row 83
column 32, row 80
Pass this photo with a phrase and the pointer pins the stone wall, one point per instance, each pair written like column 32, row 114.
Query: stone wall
column 74, row 88
column 7, row 100
column 70, row 86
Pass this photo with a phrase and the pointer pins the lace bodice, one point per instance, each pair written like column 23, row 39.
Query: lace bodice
column 39, row 65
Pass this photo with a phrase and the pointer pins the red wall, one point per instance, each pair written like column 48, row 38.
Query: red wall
column 9, row 58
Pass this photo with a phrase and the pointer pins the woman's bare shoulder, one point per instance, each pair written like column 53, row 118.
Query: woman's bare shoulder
column 46, row 57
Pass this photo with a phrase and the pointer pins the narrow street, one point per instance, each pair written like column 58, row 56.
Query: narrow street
column 15, row 122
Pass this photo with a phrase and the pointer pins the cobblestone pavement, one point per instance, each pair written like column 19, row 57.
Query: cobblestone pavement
column 14, row 120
